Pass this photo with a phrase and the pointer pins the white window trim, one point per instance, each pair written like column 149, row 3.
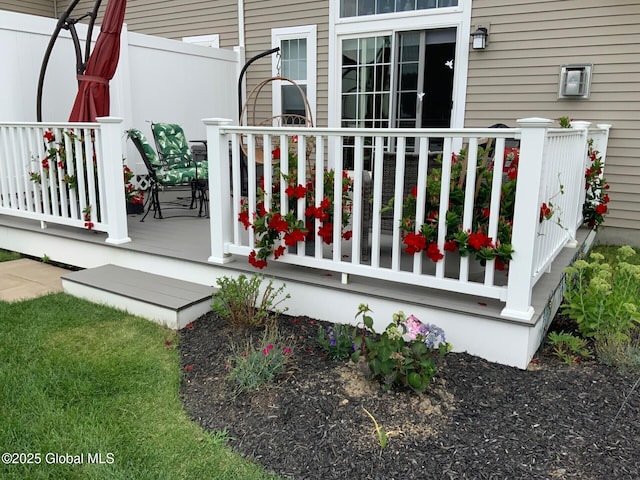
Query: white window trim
column 204, row 40
column 310, row 33
column 370, row 25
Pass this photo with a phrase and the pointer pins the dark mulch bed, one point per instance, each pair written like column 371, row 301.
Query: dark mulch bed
column 478, row 420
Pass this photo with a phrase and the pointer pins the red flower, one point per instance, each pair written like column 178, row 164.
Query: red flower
column 243, row 217
column 512, row 173
column 479, row 240
column 45, row 163
column 414, row 191
column 347, row 235
column 89, row 225
column 49, row 136
column 545, row 212
column 278, row 252
column 325, row 204
column 275, row 153
column 278, row 223
column 326, row 233
column 606, row 199
column 601, row 209
column 298, row 192
column 415, row 243
column 499, row 264
column 290, row 239
column 450, row 246
column 434, row 253
column 255, row 261
column 486, row 212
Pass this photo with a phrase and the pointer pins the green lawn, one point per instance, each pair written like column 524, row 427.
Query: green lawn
column 80, row 379
column 5, row 256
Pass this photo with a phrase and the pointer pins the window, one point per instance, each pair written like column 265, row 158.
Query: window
column 357, row 8
column 404, row 81
column 297, row 62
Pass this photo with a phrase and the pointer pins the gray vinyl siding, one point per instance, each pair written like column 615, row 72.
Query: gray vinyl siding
column 179, row 18
column 263, row 15
column 44, row 8
column 517, row 76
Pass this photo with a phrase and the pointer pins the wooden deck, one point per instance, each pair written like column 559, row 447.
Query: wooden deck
column 179, row 246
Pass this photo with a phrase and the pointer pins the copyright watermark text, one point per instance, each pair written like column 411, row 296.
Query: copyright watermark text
column 53, row 458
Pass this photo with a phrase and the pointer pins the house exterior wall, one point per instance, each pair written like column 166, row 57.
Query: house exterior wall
column 43, row 8
column 517, row 76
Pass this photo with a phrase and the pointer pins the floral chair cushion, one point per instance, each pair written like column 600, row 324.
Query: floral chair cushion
column 167, row 173
column 172, row 144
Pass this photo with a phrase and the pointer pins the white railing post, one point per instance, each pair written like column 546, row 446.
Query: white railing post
column 220, row 201
column 601, row 140
column 525, row 218
column 111, row 133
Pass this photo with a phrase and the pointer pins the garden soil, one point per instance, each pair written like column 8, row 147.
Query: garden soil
column 478, row 420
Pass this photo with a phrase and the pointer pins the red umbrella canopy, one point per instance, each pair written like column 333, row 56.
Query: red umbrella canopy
column 92, row 99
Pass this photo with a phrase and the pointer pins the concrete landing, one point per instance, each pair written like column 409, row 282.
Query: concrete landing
column 24, row 279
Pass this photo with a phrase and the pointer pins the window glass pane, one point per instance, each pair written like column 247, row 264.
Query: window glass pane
column 292, row 101
column 366, row 70
column 293, row 58
column 366, row 7
column 352, row 8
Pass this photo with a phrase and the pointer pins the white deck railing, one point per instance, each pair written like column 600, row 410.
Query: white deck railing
column 65, row 173
column 551, row 169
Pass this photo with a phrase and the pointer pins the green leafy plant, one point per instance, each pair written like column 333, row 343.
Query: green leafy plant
column 381, row 433
column 337, row 341
column 568, row 347
column 254, row 365
column 244, row 302
column 405, row 355
column 604, row 298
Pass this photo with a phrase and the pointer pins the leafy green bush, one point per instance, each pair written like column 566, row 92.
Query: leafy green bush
column 604, row 300
column 254, row 365
column 337, row 341
column 241, row 303
column 405, row 355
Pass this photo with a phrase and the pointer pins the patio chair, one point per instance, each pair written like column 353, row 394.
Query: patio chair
column 171, row 172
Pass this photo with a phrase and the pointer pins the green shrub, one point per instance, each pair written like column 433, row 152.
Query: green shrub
column 568, row 347
column 604, row 300
column 241, row 303
column 254, row 365
column 405, row 355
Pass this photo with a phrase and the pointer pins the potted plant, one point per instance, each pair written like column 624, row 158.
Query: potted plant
column 134, row 195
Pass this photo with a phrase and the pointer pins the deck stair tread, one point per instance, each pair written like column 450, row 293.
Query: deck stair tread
column 127, row 288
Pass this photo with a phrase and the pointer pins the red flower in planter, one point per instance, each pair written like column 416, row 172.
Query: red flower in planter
column 415, row 242
column 278, row 223
column 49, row 136
column 478, row 240
column 290, row 239
column 257, row 262
column 299, row 191
column 601, row 209
column 326, row 233
column 434, row 253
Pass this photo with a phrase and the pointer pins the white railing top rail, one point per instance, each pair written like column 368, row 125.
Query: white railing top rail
column 364, row 132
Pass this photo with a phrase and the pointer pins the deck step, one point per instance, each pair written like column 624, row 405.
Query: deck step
column 164, row 300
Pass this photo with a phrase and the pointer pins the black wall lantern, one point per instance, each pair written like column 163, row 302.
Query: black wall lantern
column 480, row 38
